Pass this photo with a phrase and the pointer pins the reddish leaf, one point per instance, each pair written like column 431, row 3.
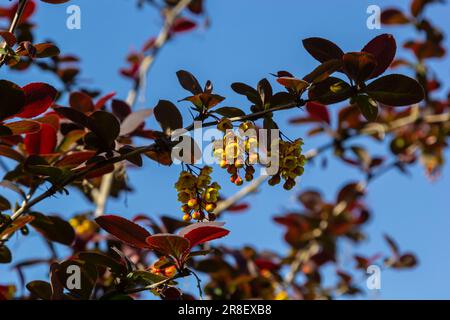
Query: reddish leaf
column 238, row 207
column 75, row 159
column 202, row 232
column 359, row 66
column 318, row 111
column 81, row 101
column 124, row 230
column 383, row 48
column 38, row 98
column 168, row 244
column 393, row 16
column 41, row 142
column 183, row 25
column 103, row 100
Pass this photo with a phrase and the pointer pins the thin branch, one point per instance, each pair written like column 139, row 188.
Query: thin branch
column 14, row 25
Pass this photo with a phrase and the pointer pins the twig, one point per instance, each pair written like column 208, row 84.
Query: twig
column 14, row 24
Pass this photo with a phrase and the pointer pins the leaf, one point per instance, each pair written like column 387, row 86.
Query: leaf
column 146, row 277
column 100, row 259
column 9, row 152
column 23, row 126
column 230, row 112
column 383, row 49
column 202, row 232
column 105, row 126
column 38, row 98
column 4, row 204
column 246, row 90
column 46, row 50
column 318, row 111
column 5, row 254
column 393, row 16
column 168, row 244
column 189, row 82
column 12, row 99
column 124, row 230
column 294, row 84
column 9, row 38
column 183, row 25
column 359, row 65
column 322, row 49
column 41, row 142
column 396, row 90
column 40, row 289
column 323, row 71
column 53, row 228
column 331, row 90
column 74, row 159
column 103, row 100
column 134, row 120
column 88, row 277
column 81, row 101
column 207, row 100
column 168, row 116
column 367, row 106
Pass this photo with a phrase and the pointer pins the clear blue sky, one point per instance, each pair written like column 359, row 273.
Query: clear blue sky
column 247, row 40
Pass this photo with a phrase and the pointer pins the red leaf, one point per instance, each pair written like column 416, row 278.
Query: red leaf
column 238, row 207
column 168, row 244
column 183, row 25
column 103, row 100
column 38, row 98
column 124, row 230
column 383, row 48
column 202, row 232
column 318, row 111
column 41, row 142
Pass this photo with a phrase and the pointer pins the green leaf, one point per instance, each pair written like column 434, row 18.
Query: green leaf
column 146, row 277
column 396, row 90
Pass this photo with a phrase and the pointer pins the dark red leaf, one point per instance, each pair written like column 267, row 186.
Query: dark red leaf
column 318, row 111
column 41, row 142
column 183, row 25
column 124, row 230
column 38, row 98
column 383, row 48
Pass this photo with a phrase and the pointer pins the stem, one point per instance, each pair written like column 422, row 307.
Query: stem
column 14, row 24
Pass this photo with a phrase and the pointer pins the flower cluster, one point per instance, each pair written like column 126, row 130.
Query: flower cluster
column 84, row 228
column 291, row 163
column 236, row 152
column 197, row 194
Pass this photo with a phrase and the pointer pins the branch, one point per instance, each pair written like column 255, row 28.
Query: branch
column 102, row 196
column 14, row 24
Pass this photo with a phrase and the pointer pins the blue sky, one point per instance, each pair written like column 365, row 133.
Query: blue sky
column 247, row 40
